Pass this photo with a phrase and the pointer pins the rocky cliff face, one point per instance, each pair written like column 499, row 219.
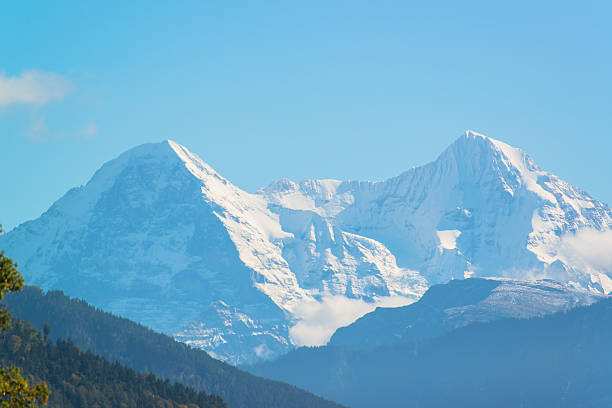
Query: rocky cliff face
column 483, row 208
column 160, row 237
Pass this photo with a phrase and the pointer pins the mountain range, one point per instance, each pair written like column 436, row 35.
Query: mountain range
column 557, row 360
column 459, row 303
column 129, row 345
column 160, row 237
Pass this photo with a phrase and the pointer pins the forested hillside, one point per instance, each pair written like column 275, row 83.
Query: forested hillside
column 458, row 303
column 133, row 345
column 561, row 360
column 79, row 379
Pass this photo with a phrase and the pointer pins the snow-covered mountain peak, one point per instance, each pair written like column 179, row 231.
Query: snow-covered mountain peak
column 319, row 188
column 194, row 163
column 78, row 202
column 159, row 236
column 325, row 197
column 473, row 144
column 163, row 155
column 472, row 134
column 283, row 185
column 477, row 156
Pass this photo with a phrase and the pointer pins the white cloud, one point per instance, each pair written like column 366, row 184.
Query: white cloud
column 319, row 320
column 263, row 351
column 592, row 248
column 90, row 131
column 33, row 88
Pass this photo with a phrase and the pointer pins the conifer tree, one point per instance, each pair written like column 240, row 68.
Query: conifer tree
column 14, row 389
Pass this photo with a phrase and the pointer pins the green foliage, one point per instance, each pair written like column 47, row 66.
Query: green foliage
column 10, row 281
column 135, row 346
column 130, row 344
column 79, row 379
column 14, row 389
column 46, row 330
column 558, row 360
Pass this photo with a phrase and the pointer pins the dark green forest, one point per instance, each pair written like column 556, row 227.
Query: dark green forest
column 79, row 379
column 125, row 342
column 561, row 360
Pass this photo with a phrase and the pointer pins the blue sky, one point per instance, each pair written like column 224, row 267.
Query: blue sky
column 264, row 90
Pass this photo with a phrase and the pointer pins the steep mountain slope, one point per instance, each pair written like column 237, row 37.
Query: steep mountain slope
column 483, row 208
column 560, row 360
column 458, row 303
column 78, row 379
column 160, row 237
column 150, row 238
column 132, row 345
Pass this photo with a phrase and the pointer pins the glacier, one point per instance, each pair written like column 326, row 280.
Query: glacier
column 160, row 237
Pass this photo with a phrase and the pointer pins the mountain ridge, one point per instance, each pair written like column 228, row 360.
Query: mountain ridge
column 458, row 303
column 558, row 360
column 158, row 236
column 132, row 345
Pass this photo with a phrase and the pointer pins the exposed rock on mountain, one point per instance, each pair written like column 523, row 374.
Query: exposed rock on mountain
column 160, row 237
